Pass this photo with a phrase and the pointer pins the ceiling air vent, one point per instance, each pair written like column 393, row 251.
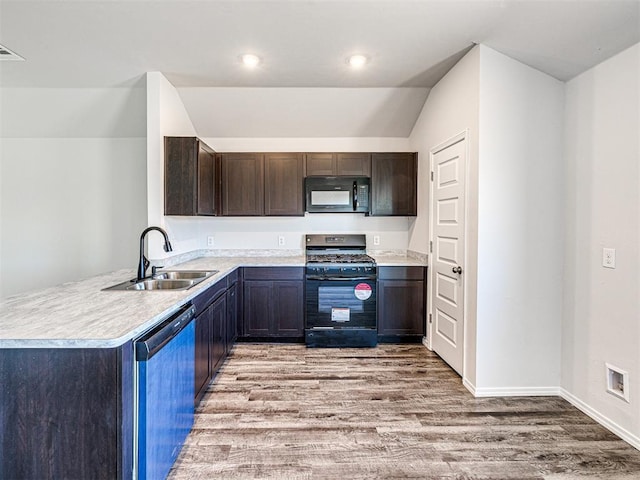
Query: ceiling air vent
column 6, row 54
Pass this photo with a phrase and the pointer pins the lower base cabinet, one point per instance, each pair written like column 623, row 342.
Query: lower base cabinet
column 401, row 304
column 273, row 303
column 216, row 330
column 66, row 413
column 231, row 332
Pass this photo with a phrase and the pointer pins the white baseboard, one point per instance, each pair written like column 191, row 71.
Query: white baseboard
column 624, row 434
column 469, row 386
column 515, row 391
column 627, row 436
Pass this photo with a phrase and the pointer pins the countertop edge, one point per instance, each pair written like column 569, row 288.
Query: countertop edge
column 232, row 263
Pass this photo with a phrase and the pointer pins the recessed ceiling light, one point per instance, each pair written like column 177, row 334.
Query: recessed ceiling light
column 357, row 61
column 250, row 60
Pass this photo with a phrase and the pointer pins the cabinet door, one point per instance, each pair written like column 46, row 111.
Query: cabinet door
column 242, row 184
column 180, row 164
column 288, row 313
column 202, row 345
column 219, row 322
column 232, row 317
column 284, row 174
column 394, row 184
column 320, row 164
column 257, row 307
column 401, row 307
column 190, row 177
column 207, row 191
column 353, row 164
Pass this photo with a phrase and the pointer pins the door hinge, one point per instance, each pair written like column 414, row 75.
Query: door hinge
column 430, row 319
column 430, row 246
column 432, row 176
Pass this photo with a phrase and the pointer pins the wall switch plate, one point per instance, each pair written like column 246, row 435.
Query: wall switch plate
column 376, row 239
column 609, row 257
column 281, row 240
column 210, row 242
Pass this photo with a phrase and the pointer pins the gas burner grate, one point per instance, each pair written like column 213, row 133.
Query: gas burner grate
column 340, row 258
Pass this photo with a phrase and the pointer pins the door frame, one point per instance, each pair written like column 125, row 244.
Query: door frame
column 459, row 137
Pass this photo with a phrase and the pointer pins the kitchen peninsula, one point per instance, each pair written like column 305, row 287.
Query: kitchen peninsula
column 66, row 367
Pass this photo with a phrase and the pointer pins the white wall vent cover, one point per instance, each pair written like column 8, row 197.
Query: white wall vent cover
column 6, row 54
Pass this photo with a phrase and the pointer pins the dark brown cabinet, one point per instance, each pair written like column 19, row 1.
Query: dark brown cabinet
column 232, row 317
column 284, row 177
column 356, row 164
column 218, row 336
column 216, row 321
column 394, row 184
column 273, row 303
column 401, row 304
column 191, row 175
column 202, row 345
column 242, row 184
column 67, row 412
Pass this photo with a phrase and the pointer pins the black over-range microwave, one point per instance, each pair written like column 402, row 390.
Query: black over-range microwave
column 337, row 194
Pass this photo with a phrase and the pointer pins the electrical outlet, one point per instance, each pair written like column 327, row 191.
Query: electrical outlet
column 210, row 242
column 609, row 257
column 281, row 240
column 376, row 239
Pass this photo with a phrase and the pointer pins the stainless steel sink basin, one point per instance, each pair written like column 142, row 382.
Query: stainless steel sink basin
column 184, row 274
column 161, row 285
column 166, row 280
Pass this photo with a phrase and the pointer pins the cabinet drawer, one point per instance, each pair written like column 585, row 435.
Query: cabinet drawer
column 273, row 273
column 401, row 273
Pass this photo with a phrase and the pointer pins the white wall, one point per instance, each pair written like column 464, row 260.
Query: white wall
column 306, row 112
column 602, row 306
column 72, row 184
column 166, row 116
column 451, row 108
column 513, row 118
column 520, row 228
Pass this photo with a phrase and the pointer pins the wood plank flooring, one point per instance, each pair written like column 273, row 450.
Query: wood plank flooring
column 395, row 411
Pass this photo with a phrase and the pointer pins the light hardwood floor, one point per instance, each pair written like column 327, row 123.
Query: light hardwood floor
column 395, row 411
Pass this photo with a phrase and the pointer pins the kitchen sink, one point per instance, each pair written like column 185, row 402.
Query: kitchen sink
column 166, row 280
column 161, row 285
column 184, row 274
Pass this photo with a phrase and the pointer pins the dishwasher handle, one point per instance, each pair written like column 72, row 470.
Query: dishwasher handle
column 153, row 341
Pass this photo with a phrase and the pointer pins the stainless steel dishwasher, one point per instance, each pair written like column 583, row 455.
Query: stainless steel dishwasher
column 165, row 389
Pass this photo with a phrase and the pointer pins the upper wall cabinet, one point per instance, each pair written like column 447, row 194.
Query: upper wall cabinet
column 242, row 184
column 394, row 184
column 190, row 176
column 338, row 164
column 283, row 181
column 262, row 184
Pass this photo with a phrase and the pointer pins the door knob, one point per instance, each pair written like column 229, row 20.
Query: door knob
column 457, row 269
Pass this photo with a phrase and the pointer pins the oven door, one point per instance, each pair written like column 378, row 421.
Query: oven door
column 340, row 303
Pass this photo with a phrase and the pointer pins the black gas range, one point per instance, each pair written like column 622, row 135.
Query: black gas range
column 340, row 298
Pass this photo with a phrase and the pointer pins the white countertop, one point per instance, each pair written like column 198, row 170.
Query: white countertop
column 80, row 314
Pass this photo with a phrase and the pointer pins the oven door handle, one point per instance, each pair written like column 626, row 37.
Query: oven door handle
column 339, row 279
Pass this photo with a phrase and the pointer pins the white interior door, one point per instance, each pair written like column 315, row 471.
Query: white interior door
column 448, row 165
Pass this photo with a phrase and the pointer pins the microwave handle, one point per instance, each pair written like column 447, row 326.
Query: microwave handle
column 355, row 196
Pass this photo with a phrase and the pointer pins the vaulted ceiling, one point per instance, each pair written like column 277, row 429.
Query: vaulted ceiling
column 303, row 46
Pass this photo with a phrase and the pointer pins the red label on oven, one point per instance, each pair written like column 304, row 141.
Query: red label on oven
column 362, row 291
